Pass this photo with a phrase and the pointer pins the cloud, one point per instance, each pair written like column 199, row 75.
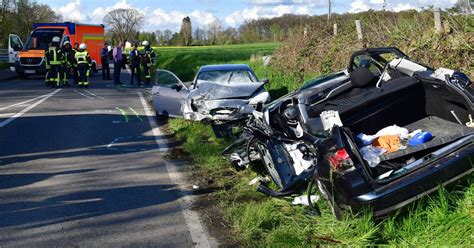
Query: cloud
column 403, row 7
column 376, row 1
column 72, row 11
column 259, row 12
column 358, row 6
column 98, row 14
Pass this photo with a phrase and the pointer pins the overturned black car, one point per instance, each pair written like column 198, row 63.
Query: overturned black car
column 380, row 134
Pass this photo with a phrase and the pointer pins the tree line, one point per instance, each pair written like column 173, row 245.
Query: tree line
column 18, row 16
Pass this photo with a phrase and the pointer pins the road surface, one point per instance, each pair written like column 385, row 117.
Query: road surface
column 83, row 168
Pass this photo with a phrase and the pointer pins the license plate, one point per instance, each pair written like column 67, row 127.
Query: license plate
column 30, row 71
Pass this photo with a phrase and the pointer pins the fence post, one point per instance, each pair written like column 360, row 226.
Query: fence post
column 305, row 31
column 360, row 36
column 335, row 28
column 437, row 20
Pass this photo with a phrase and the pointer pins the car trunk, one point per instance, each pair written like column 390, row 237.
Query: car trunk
column 425, row 105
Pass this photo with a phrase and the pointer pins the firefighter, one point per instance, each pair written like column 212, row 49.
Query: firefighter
column 135, row 64
column 148, row 60
column 104, row 59
column 74, row 66
column 69, row 61
column 54, row 63
column 83, row 62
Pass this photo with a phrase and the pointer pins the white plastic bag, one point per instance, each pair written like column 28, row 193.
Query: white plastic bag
column 390, row 130
column 371, row 154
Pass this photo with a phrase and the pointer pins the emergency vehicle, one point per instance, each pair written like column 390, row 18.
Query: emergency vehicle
column 28, row 58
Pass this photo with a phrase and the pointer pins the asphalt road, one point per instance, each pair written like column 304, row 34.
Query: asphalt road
column 83, row 168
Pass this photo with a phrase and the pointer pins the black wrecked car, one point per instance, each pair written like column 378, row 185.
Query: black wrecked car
column 380, row 134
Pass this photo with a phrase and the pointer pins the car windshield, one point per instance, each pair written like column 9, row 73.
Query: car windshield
column 41, row 38
column 223, row 76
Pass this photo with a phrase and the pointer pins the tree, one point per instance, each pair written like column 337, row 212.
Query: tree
column 168, row 35
column 123, row 24
column 464, row 6
column 18, row 16
column 215, row 28
column 199, row 36
column 186, row 31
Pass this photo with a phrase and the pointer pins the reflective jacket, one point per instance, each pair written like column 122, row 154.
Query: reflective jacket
column 54, row 56
column 83, row 58
column 69, row 56
column 148, row 56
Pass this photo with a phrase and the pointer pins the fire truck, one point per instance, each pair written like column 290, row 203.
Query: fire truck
column 28, row 58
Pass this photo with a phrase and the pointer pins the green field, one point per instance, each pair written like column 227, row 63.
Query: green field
column 185, row 61
column 445, row 218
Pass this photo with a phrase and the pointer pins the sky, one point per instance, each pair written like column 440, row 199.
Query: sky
column 166, row 14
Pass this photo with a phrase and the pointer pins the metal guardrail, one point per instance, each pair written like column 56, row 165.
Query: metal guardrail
column 3, row 55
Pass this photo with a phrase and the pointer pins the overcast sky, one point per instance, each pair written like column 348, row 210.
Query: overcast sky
column 166, row 14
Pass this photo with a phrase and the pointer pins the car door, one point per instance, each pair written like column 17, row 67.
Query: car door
column 14, row 47
column 169, row 93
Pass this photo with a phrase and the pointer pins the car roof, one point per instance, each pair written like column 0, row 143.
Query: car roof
column 225, row 67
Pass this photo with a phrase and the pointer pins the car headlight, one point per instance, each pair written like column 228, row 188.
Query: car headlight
column 261, row 97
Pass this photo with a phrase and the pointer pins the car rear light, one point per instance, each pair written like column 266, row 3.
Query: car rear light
column 340, row 159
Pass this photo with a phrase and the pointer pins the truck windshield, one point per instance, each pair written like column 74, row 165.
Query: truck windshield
column 41, row 38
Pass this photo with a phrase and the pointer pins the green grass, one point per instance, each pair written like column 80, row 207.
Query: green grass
column 445, row 218
column 185, row 61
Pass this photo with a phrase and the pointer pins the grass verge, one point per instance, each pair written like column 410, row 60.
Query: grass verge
column 259, row 221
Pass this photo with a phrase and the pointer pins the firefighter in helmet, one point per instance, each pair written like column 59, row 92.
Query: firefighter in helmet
column 54, row 63
column 148, row 60
column 69, row 61
column 83, row 61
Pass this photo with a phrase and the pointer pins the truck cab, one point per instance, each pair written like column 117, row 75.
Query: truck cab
column 28, row 58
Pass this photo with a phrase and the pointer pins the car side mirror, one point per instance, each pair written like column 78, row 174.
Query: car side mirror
column 176, row 87
column 265, row 81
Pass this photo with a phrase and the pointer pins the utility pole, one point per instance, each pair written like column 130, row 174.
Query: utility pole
column 329, row 9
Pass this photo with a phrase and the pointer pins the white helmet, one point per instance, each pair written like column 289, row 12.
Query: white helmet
column 56, row 39
column 145, row 43
column 83, row 46
column 66, row 42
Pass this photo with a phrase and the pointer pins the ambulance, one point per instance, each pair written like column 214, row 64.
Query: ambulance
column 28, row 58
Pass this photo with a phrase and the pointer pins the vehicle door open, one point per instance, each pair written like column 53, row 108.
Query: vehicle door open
column 169, row 93
column 14, row 46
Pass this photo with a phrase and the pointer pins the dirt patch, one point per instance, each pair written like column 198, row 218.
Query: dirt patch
column 212, row 218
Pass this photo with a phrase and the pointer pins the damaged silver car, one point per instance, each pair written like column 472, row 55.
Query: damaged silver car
column 218, row 93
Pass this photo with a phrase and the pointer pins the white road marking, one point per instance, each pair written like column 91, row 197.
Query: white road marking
column 82, row 94
column 94, row 95
column 23, row 103
column 6, row 114
column 198, row 233
column 19, row 114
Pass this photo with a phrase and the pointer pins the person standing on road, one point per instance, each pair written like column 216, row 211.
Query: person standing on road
column 74, row 66
column 54, row 63
column 83, row 61
column 135, row 64
column 149, row 59
column 104, row 59
column 117, row 54
column 69, row 61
